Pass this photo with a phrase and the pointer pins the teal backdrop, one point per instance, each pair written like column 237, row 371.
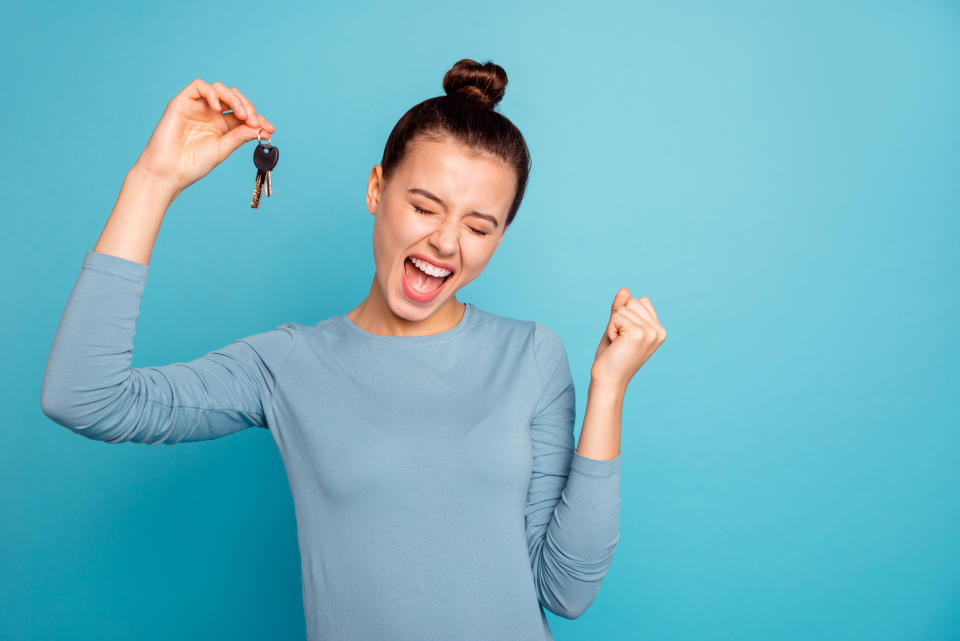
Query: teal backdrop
column 781, row 179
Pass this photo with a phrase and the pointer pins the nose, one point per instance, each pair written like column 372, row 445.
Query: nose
column 446, row 237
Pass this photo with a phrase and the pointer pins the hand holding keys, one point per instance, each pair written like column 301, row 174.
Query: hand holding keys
column 265, row 158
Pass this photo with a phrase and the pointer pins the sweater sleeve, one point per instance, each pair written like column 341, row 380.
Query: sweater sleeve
column 573, row 502
column 89, row 386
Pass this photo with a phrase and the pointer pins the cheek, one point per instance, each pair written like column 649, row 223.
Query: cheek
column 379, row 241
column 389, row 231
column 483, row 258
column 391, row 242
column 404, row 230
column 474, row 265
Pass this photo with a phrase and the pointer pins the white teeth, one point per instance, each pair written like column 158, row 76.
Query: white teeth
column 426, row 267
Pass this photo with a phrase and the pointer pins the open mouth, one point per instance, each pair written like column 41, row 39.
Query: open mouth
column 419, row 285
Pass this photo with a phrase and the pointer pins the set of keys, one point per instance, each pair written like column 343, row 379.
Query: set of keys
column 265, row 158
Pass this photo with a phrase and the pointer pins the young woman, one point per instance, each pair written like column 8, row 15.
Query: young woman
column 428, row 443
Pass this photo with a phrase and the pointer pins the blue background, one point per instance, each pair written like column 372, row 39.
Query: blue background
column 781, row 179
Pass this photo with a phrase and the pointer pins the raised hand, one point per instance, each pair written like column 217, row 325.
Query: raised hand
column 194, row 134
column 632, row 335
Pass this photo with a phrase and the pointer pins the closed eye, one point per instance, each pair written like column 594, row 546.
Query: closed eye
column 424, row 211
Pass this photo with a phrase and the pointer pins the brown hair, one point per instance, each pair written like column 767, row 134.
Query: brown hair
column 466, row 115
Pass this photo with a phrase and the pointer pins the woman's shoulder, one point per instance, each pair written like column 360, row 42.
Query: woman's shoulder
column 541, row 334
column 483, row 318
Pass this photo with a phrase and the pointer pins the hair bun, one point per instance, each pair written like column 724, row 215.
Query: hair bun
column 481, row 83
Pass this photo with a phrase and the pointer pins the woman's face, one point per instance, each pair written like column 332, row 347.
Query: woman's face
column 443, row 204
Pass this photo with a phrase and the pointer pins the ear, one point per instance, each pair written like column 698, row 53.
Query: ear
column 374, row 188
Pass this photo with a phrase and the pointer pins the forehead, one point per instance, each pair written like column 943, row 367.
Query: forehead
column 459, row 175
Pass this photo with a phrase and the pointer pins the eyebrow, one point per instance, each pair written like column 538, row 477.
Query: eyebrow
column 427, row 194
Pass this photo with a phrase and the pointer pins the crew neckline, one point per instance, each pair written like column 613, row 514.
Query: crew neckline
column 453, row 331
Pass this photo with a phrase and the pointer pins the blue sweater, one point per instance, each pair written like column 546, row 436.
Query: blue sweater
column 437, row 492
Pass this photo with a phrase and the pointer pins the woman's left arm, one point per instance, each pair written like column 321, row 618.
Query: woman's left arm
column 632, row 335
column 573, row 501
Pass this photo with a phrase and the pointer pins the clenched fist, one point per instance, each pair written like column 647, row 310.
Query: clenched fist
column 632, row 335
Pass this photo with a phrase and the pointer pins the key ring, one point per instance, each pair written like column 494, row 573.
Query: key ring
column 260, row 142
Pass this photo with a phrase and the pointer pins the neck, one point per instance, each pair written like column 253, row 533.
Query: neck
column 376, row 316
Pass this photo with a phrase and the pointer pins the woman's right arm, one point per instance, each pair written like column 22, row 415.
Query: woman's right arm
column 90, row 387
column 88, row 384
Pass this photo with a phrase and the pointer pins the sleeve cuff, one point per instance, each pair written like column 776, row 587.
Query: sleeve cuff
column 595, row 467
column 122, row 267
